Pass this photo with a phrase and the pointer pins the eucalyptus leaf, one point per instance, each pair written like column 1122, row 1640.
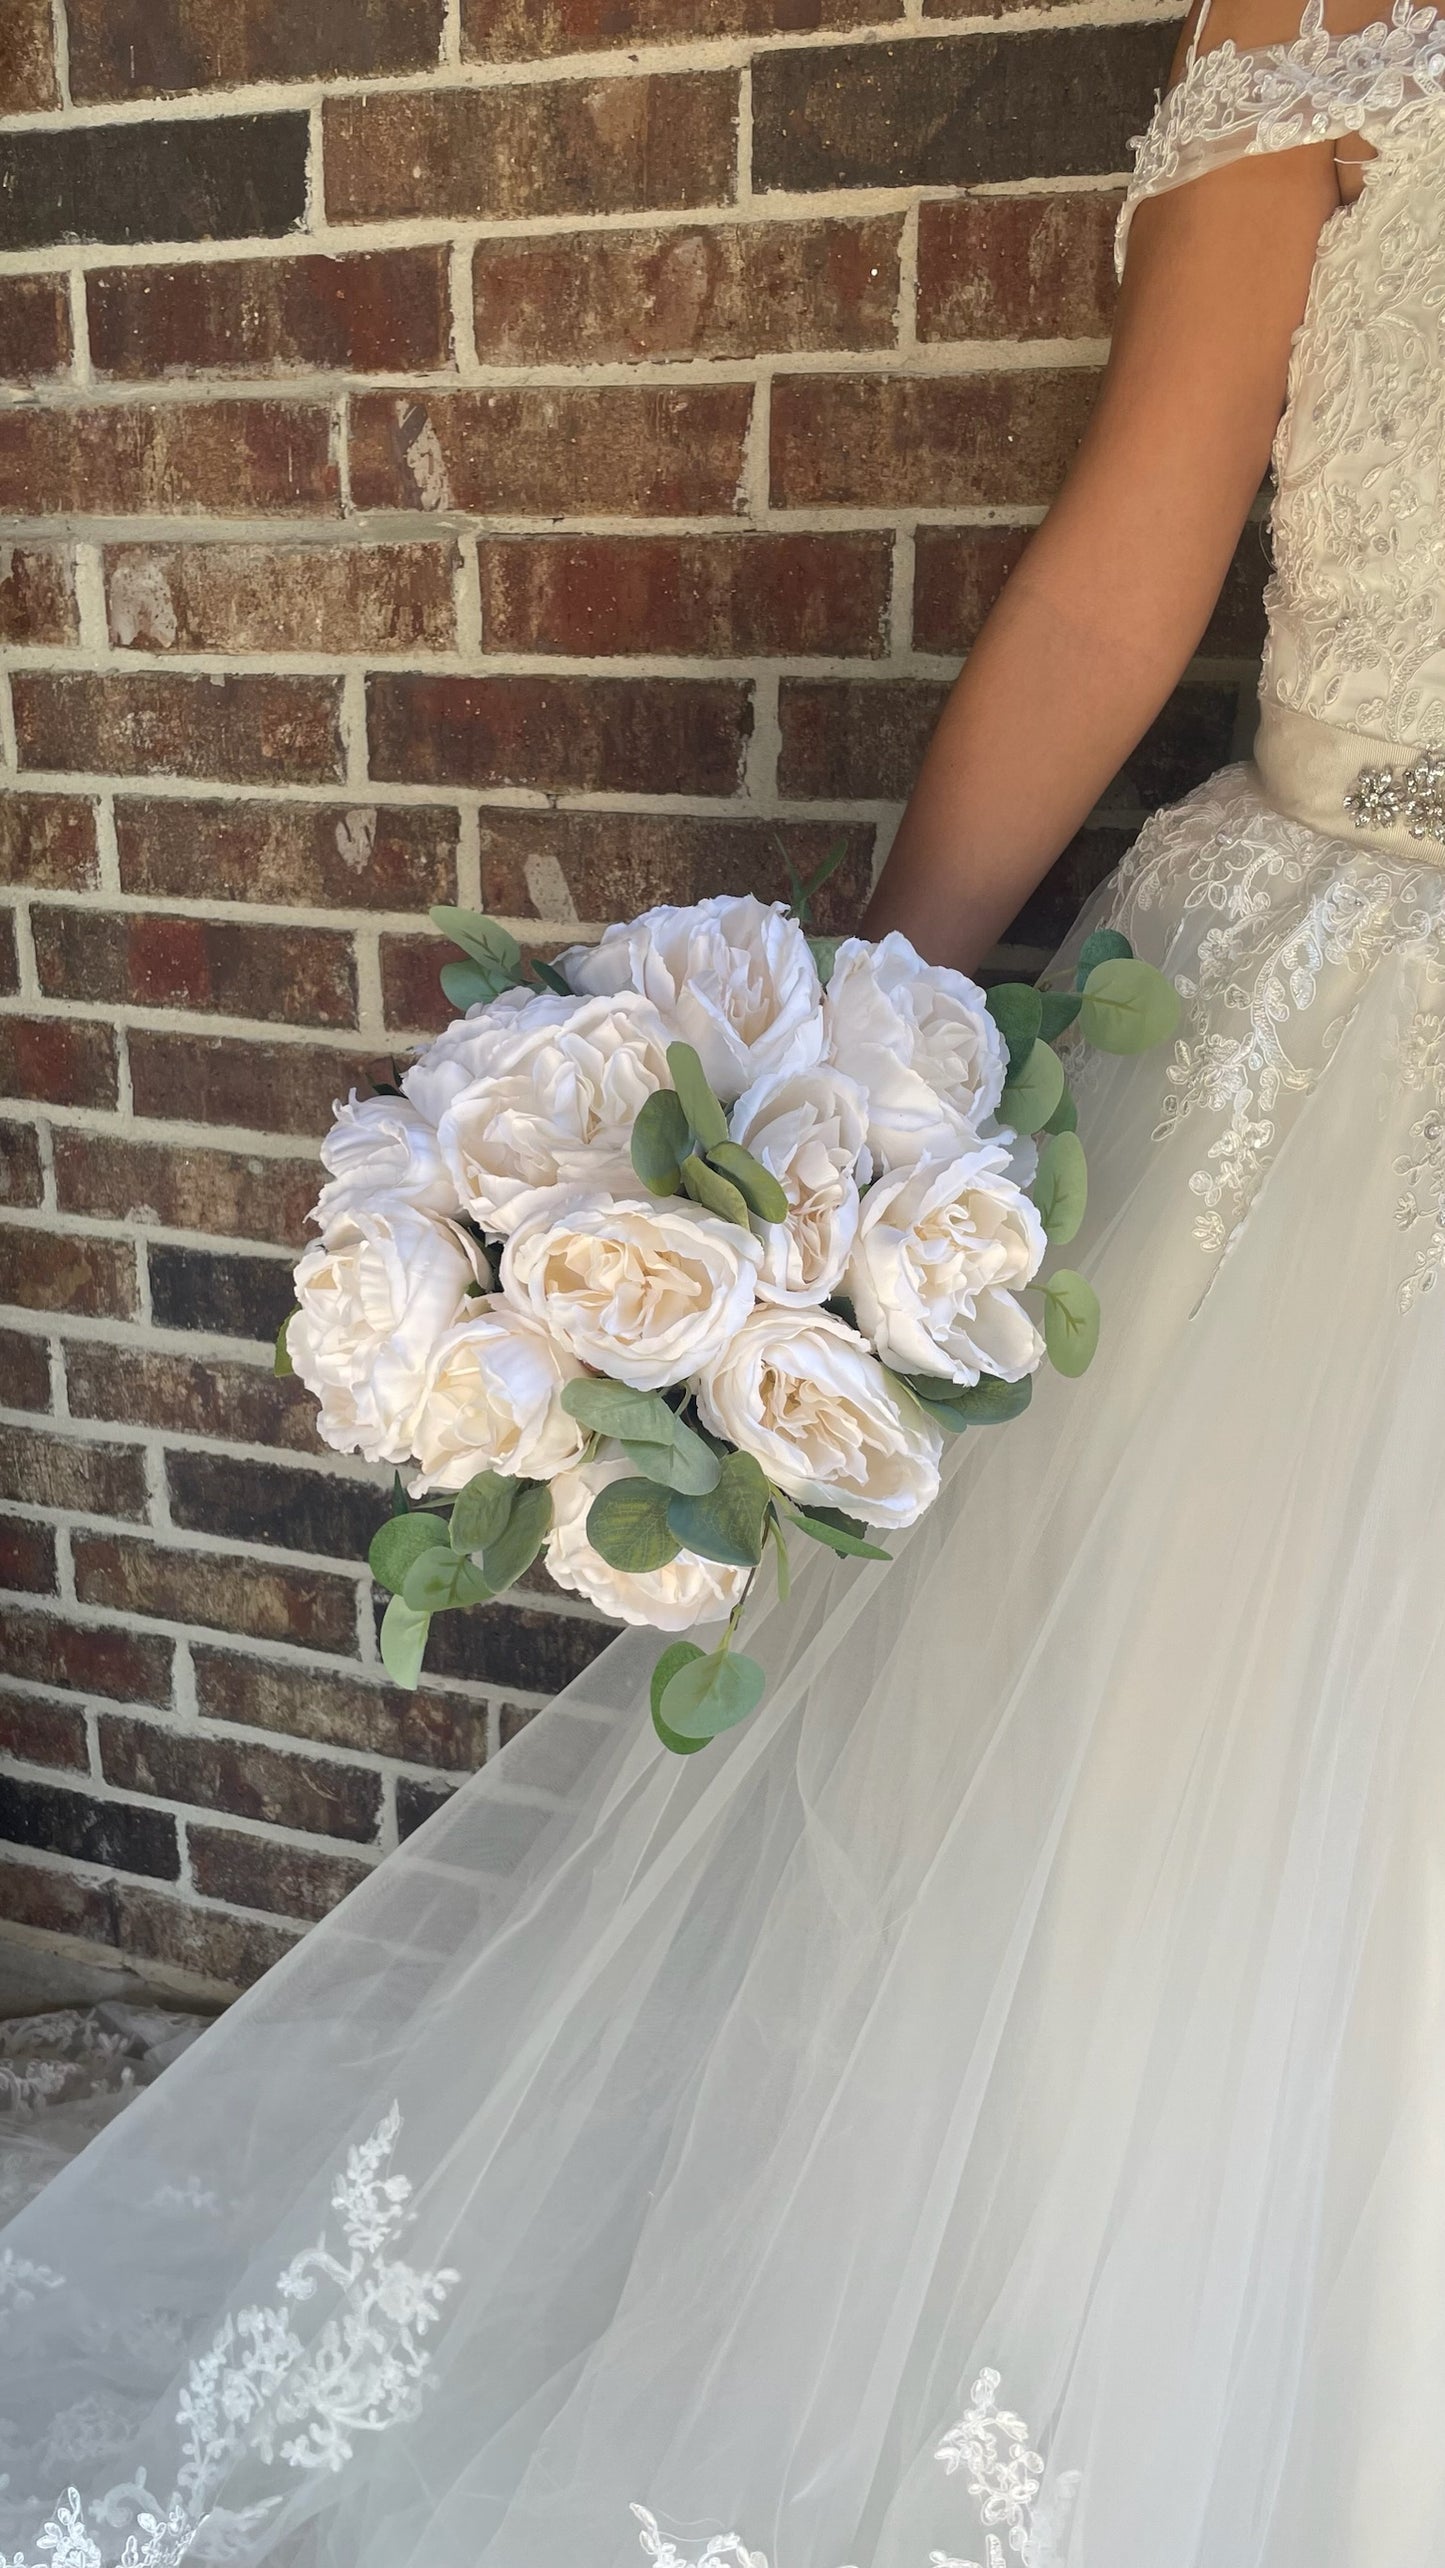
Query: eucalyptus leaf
column 1061, row 1188
column 1017, row 1009
column 481, row 1510
column 1065, row 1117
column 824, row 951
column 438, row 1580
column 481, row 938
column 1071, row 1322
column 627, row 1524
column 660, row 1142
column 991, row 1403
column 685, row 1463
column 785, row 1566
column 937, row 1403
column 680, row 1655
column 706, row 1120
column 1029, row 1100
column 850, row 1546
column 400, row 1542
column 615, row 1409
column 714, row 1193
column 1060, row 1007
column 756, row 1184
column 514, row 1549
column 403, row 1642
column 729, row 1523
column 470, row 985
column 549, row 976
column 400, row 1503
column 710, row 1695
column 1128, row 1007
column 281, row 1364
column 1106, row 945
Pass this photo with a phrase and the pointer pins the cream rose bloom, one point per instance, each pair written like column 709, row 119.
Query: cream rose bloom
column 492, row 1401
column 375, row 1298
column 464, row 1050
column 920, row 1039
column 689, row 1590
column 733, row 977
column 553, row 1107
column 810, row 1128
column 645, row 1292
column 381, row 1146
column 806, row 1396
column 940, row 1250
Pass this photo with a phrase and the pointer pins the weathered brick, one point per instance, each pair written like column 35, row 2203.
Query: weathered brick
column 147, row 48
column 88, row 1658
column 169, row 458
column 411, row 995
column 88, row 1830
column 223, row 1593
column 516, row 1717
column 9, row 956
column 281, row 597
column 221, row 1294
column 513, row 1646
column 250, row 729
column 58, row 1902
column 714, row 290
column 34, row 328
column 27, row 1562
column 251, row 1782
column 317, row 855
column 182, row 1188
column 57, row 1271
column 27, row 60
column 226, row 1952
column 852, row 740
column 373, row 312
column 301, row 975
column 417, row 1800
column 37, row 592
column 258, row 1872
column 957, row 111
column 36, row 1731
column 244, row 1403
column 267, row 1502
column 516, row 30
column 1017, row 267
column 554, row 450
column 47, row 841
column 604, row 865
column 24, row 1370
column 564, row 147
column 958, row 576
column 926, row 441
column 62, row 1061
column 425, row 1728
column 725, row 595
column 22, row 1174
column 267, row 1087
column 212, row 179
column 625, row 735
column 60, row 1471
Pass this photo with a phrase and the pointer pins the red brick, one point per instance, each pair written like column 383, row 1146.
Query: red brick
column 417, row 1800
column 58, row 1271
column 623, row 735
column 61, row 1061
column 554, row 450
column 425, row 1728
column 515, row 30
column 47, row 841
column 27, row 1562
column 259, row 1872
column 86, row 1658
column 239, row 1500
column 609, row 865
column 43, row 1470
column 301, row 975
column 34, row 328
column 219, row 1293
column 87, row 1829
column 9, row 955
column 309, row 1607
column 411, row 995
column 958, row 574
column 1017, row 267
column 374, row 312
column 27, row 58
column 726, row 595
column 218, row 1191
column 251, row 1782
column 146, row 48
column 316, row 855
column 222, row 1951
column 926, row 441
column 275, row 597
column 249, row 730
column 24, row 1370
column 169, row 458
column 244, row 1403
column 514, row 1646
column 22, row 1174
column 563, row 147
column 714, row 290
column 39, row 1732
column 854, row 741
column 37, row 591
column 265, row 1087
column 57, row 1902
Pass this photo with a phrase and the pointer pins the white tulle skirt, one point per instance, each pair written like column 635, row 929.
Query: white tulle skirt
column 992, row 2106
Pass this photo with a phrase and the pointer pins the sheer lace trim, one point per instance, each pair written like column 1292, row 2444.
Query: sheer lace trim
column 1420, row 1061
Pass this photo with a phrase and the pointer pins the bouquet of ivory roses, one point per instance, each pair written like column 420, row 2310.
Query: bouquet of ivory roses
column 701, row 1240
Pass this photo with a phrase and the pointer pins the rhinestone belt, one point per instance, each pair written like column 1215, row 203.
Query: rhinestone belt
column 1388, row 795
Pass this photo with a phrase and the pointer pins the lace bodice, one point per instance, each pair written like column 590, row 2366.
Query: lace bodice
column 1357, row 598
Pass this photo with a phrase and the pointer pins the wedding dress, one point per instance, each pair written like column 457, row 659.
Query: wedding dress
column 991, row 2107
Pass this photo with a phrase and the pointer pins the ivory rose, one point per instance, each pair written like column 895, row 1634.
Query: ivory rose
column 553, row 1106
column 806, row 1396
column 374, row 1299
column 689, row 1590
column 809, row 1128
column 381, row 1146
column 492, row 1401
column 920, row 1040
column 733, row 977
column 646, row 1292
column 939, row 1252
column 465, row 1049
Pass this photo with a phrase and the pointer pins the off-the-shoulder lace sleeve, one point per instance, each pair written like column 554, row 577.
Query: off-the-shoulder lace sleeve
column 1232, row 103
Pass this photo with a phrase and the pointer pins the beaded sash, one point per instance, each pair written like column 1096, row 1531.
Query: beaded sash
column 1388, row 794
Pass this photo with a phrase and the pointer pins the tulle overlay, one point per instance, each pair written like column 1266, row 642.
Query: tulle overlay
column 989, row 2107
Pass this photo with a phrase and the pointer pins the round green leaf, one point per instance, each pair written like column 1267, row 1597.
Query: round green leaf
column 991, row 1403
column 1071, row 1322
column 281, row 1364
column 481, row 1510
column 1029, row 1100
column 681, row 1654
column 481, row 938
column 1017, row 1009
column 937, row 1401
column 470, row 985
column 1128, row 1007
column 1061, row 1189
column 1106, row 945
column 614, row 1409
column 627, row 1523
column 820, row 1524
column 403, row 1642
column 711, row 1694
column 660, row 1142
column 730, row 1522
column 715, row 1194
column 515, row 1548
column 756, row 1184
column 1065, row 1117
column 708, row 1123
column 400, row 1542
column 685, row 1464
column 439, row 1580
column 1060, row 1007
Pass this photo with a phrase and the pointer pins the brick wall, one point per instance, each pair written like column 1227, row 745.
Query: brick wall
column 547, row 453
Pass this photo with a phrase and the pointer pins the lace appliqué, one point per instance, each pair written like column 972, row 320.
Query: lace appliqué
column 1005, row 2476
column 263, row 2392
column 1421, row 1066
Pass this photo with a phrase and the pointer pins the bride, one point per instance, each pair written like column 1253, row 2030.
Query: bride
column 990, row 2108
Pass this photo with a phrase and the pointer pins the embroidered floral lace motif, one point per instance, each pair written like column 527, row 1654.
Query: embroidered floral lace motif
column 1421, row 1065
